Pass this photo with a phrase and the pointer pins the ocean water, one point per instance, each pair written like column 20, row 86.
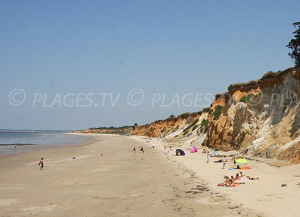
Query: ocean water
column 39, row 139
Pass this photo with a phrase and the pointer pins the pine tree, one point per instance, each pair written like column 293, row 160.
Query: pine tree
column 294, row 45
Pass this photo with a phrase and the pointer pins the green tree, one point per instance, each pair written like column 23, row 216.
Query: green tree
column 294, row 45
column 134, row 126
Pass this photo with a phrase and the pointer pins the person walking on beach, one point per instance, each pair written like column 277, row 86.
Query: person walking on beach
column 41, row 163
column 234, row 162
column 134, row 149
column 224, row 162
column 208, row 156
column 142, row 150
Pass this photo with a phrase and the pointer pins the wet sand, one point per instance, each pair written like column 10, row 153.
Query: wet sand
column 106, row 179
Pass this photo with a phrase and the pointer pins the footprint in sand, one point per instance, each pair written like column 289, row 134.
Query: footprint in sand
column 68, row 182
column 11, row 188
column 99, row 170
column 37, row 209
column 7, row 202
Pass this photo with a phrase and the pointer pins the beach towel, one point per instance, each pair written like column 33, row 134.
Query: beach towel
column 224, row 185
column 240, row 181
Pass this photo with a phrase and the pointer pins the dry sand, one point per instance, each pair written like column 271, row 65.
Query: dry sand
column 119, row 183
column 266, row 196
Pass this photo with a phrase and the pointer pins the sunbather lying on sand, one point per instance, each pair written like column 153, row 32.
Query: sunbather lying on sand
column 233, row 182
column 228, row 182
column 251, row 178
column 240, row 178
column 243, row 177
column 237, row 177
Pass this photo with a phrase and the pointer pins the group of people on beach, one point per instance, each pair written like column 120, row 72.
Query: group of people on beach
column 224, row 160
column 233, row 181
column 239, row 178
column 141, row 150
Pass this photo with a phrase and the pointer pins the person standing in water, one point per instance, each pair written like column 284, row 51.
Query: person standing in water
column 41, row 163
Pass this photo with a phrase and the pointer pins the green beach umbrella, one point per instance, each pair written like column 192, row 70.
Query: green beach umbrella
column 241, row 161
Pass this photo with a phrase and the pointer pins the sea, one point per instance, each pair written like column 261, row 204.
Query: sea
column 31, row 140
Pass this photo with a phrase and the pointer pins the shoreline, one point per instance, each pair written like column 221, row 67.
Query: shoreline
column 266, row 196
column 25, row 148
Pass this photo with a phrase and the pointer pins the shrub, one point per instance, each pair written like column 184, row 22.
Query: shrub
column 210, row 111
column 246, row 98
column 218, row 112
column 195, row 127
column 205, row 109
column 203, row 125
column 241, row 85
column 191, row 125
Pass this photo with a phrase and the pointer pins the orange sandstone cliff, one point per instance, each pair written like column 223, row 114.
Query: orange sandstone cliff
column 260, row 118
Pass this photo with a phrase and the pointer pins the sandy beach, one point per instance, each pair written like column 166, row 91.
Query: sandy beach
column 265, row 196
column 106, row 179
column 149, row 108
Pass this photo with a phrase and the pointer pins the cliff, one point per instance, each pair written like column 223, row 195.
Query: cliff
column 161, row 128
column 259, row 118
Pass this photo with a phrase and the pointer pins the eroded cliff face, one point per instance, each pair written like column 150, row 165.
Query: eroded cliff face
column 162, row 128
column 260, row 118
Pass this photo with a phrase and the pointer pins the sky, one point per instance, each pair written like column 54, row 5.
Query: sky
column 67, row 65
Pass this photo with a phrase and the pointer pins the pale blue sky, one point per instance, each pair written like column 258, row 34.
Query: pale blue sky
column 61, row 47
